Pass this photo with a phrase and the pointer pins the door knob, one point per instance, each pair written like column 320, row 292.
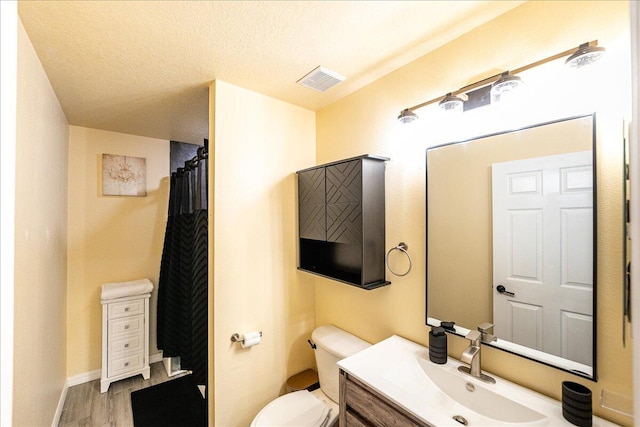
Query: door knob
column 503, row 290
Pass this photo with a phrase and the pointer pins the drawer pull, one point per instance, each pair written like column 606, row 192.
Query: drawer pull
column 126, row 309
column 126, row 326
column 126, row 345
column 126, row 364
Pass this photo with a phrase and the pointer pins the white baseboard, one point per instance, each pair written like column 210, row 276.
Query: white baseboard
column 63, row 397
column 85, row 378
column 95, row 375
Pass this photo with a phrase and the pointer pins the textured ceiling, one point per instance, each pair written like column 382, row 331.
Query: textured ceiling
column 144, row 67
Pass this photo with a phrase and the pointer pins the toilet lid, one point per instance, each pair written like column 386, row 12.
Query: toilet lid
column 300, row 408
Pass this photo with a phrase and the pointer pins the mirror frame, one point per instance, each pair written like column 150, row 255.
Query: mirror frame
column 516, row 349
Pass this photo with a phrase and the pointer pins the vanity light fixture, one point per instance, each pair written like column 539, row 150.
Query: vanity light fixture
column 451, row 103
column 407, row 116
column 585, row 54
column 506, row 83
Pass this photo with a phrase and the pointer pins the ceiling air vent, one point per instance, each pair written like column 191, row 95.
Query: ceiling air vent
column 321, row 79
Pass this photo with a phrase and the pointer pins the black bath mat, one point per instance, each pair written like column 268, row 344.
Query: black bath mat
column 173, row 403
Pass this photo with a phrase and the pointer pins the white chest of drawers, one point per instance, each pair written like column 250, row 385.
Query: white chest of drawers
column 125, row 338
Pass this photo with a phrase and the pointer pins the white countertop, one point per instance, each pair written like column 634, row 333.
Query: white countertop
column 391, row 367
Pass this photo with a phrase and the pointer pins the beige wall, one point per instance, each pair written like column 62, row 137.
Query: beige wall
column 111, row 238
column 365, row 123
column 8, row 125
column 259, row 144
column 40, row 244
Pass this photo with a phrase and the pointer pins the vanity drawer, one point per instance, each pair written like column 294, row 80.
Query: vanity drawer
column 364, row 407
column 131, row 343
column 132, row 325
column 354, row 420
column 126, row 308
column 125, row 363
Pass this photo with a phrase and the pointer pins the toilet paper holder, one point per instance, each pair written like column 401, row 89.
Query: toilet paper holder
column 236, row 337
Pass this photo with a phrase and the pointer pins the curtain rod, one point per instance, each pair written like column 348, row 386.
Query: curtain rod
column 202, row 154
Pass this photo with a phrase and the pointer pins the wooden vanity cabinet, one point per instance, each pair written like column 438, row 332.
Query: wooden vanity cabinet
column 360, row 406
column 341, row 218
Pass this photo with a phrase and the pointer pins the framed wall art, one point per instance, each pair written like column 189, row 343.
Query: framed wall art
column 124, row 175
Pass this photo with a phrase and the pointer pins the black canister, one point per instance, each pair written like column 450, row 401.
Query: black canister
column 576, row 404
column 438, row 345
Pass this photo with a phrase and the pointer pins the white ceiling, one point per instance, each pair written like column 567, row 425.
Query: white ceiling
column 144, row 67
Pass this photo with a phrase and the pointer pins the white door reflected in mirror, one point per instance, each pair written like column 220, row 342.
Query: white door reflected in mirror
column 542, row 254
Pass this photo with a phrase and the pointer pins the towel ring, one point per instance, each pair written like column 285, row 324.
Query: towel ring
column 402, row 247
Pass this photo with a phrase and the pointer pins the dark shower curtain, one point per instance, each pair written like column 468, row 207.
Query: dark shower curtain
column 182, row 288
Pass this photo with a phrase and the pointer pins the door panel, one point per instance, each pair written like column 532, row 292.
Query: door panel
column 344, row 183
column 526, row 244
column 311, row 199
column 344, row 223
column 577, row 252
column 574, row 327
column 344, row 203
column 543, row 228
column 526, row 324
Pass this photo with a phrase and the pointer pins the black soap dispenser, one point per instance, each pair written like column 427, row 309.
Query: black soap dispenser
column 438, row 345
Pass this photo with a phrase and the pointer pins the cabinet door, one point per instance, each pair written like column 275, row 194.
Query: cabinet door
column 360, row 406
column 344, row 202
column 311, row 202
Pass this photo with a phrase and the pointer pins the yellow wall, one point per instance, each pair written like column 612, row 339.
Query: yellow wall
column 111, row 238
column 259, row 144
column 365, row 123
column 40, row 243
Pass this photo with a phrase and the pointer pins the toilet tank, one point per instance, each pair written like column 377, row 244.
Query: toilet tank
column 332, row 345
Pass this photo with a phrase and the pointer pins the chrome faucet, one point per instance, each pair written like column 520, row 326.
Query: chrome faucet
column 471, row 355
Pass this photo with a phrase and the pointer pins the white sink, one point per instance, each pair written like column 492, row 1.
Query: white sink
column 440, row 395
column 477, row 397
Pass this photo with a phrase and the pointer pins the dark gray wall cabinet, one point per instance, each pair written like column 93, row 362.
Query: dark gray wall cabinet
column 341, row 221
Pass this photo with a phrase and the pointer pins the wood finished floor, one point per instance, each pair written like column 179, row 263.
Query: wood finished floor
column 86, row 406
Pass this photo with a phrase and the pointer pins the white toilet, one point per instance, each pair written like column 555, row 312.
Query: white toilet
column 318, row 408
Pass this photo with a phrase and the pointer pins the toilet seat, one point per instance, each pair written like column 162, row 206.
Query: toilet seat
column 297, row 409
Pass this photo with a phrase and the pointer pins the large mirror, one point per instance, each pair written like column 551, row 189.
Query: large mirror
column 511, row 233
